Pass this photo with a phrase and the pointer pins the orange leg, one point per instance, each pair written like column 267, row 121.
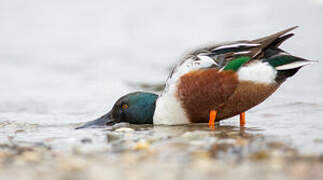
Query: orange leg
column 242, row 119
column 212, row 118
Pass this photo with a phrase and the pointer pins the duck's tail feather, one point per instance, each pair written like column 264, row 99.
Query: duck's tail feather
column 280, row 40
column 286, row 61
column 294, row 65
column 287, row 65
column 276, row 39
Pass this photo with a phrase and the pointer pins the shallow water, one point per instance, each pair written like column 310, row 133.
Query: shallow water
column 58, row 70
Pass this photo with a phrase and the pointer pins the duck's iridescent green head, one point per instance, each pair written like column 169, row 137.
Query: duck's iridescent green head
column 134, row 108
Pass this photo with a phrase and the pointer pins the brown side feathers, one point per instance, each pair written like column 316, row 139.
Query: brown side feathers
column 202, row 90
column 246, row 96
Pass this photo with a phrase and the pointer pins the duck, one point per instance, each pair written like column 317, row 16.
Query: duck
column 210, row 84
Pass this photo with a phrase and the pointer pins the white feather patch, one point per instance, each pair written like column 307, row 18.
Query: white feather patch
column 236, row 45
column 206, row 60
column 293, row 65
column 242, row 52
column 169, row 110
column 258, row 71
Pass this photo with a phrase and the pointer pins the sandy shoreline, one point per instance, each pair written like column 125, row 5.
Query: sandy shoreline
column 142, row 152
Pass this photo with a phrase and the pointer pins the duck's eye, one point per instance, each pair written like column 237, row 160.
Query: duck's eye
column 124, row 106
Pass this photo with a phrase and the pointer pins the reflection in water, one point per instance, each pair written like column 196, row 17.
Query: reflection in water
column 171, row 141
column 177, row 130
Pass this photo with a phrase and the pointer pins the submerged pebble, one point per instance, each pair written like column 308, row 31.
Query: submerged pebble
column 141, row 145
column 195, row 135
column 30, row 156
column 86, row 140
column 124, row 129
column 112, row 136
column 73, row 163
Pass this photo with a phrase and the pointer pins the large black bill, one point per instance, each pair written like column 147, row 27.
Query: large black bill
column 100, row 122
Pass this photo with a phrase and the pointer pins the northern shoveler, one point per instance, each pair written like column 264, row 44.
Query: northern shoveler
column 211, row 84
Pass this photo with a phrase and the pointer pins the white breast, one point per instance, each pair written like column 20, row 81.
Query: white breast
column 169, row 110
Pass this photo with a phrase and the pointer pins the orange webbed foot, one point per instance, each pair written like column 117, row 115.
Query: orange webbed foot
column 242, row 119
column 212, row 119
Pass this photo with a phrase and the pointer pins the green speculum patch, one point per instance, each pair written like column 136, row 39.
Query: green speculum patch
column 235, row 64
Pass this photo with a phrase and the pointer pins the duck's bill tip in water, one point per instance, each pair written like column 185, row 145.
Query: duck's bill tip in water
column 100, row 122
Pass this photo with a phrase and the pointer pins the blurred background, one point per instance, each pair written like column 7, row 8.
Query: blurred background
column 67, row 62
